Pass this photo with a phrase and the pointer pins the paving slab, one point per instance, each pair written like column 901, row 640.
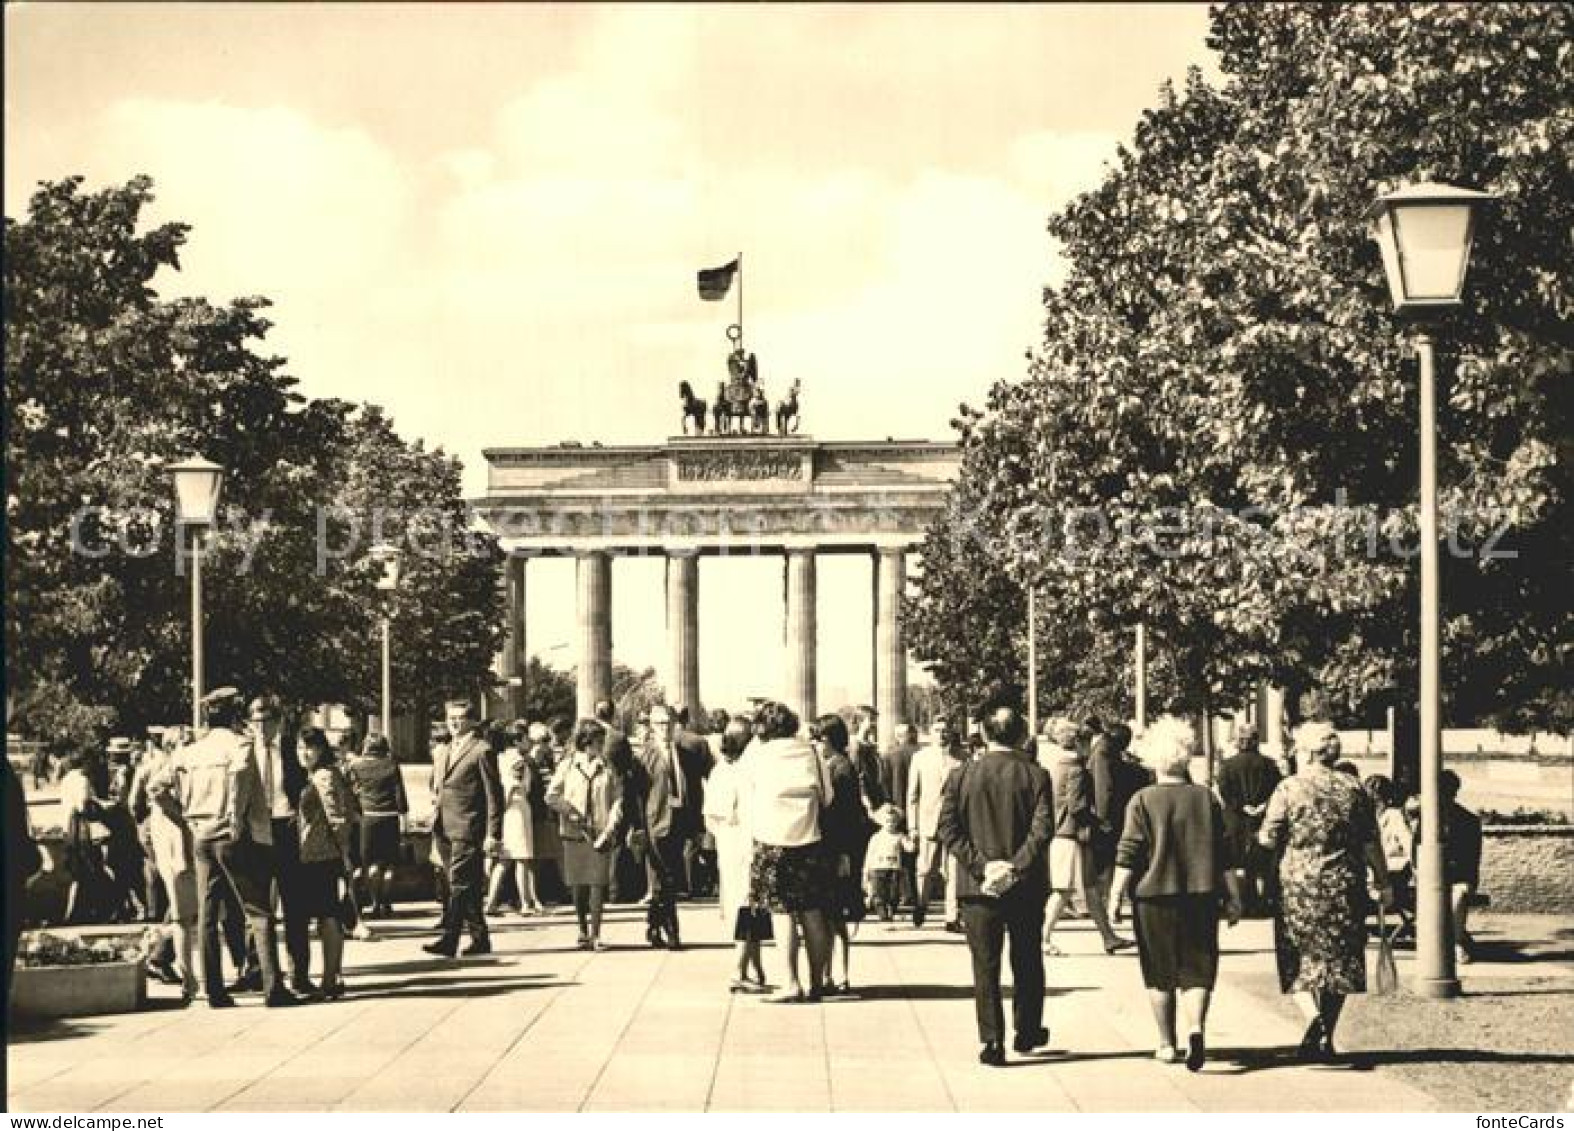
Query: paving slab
column 542, row 1025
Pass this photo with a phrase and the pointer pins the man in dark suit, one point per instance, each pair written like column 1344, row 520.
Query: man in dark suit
column 283, row 778
column 1246, row 781
column 996, row 819
column 894, row 766
column 668, row 805
column 696, row 760
column 469, row 819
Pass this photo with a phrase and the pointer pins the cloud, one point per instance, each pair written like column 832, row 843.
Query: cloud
column 281, row 205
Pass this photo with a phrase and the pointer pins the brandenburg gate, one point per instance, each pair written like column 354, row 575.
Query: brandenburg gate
column 723, row 495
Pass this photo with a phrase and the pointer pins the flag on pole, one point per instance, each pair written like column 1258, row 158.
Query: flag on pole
column 715, row 282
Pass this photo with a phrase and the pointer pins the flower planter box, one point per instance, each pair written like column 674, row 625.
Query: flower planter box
column 79, row 991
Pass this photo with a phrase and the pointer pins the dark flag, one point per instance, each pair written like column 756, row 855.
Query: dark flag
column 716, row 282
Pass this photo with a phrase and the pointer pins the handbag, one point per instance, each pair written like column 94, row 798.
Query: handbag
column 1386, row 980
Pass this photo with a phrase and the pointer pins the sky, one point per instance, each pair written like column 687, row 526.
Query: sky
column 487, row 217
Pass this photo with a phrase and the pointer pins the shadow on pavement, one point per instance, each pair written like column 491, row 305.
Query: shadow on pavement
column 445, row 988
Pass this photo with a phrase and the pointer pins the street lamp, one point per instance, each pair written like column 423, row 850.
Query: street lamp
column 1425, row 232
column 197, row 485
column 388, row 557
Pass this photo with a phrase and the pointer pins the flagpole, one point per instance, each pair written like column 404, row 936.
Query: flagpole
column 740, row 300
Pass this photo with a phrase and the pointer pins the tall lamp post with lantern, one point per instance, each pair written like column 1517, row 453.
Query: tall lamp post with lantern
column 388, row 557
column 1425, row 232
column 198, row 483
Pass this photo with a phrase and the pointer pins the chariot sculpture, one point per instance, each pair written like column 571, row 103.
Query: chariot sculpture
column 740, row 407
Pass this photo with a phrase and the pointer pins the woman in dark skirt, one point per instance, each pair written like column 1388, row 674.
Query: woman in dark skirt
column 379, row 789
column 588, row 796
column 844, row 831
column 1173, row 844
column 786, row 789
column 325, row 809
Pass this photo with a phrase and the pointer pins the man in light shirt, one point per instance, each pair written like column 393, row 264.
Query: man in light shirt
column 926, row 777
column 221, row 799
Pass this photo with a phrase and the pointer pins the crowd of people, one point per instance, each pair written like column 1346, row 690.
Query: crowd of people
column 802, row 828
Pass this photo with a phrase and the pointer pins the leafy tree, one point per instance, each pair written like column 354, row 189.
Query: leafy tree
column 548, row 692
column 107, row 384
column 1217, row 436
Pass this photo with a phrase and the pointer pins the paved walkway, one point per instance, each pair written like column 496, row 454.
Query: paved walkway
column 542, row 1025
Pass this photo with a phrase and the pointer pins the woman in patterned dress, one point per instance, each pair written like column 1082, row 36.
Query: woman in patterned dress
column 1324, row 823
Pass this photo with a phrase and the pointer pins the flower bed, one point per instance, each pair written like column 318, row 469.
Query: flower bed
column 58, row 976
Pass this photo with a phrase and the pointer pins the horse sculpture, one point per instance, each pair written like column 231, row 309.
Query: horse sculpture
column 693, row 409
column 787, row 411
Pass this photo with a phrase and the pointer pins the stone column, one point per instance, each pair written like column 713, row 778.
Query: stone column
column 802, row 633
column 890, row 647
column 683, row 628
column 514, row 655
column 594, row 574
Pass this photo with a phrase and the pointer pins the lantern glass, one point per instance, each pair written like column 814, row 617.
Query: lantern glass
column 1434, row 247
column 388, row 557
column 198, row 483
column 1425, row 233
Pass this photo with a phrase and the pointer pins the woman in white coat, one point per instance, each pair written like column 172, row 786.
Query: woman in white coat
column 724, row 817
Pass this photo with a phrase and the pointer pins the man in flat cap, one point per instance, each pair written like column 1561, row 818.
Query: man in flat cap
column 222, row 800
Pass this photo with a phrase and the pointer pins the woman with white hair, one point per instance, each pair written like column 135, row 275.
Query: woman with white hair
column 1326, row 827
column 1173, row 845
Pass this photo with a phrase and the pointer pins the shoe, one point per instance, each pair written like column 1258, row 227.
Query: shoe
column 1462, row 956
column 1118, row 945
column 363, row 933
column 165, row 972
column 1196, row 1052
column 1027, row 1042
column 655, row 938
column 597, row 945
column 333, row 991
column 1166, row 1054
column 584, row 942
column 225, row 1002
column 302, row 987
column 443, row 948
column 1312, row 1040
column 1053, row 951
column 954, row 928
column 477, row 948
column 992, row 1054
column 250, row 982
column 282, row 999
column 786, row 997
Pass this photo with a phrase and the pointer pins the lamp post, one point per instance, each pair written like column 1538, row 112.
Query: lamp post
column 388, row 557
column 197, row 485
column 1424, row 232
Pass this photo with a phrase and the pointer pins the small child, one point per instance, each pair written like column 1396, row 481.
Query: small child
column 883, row 863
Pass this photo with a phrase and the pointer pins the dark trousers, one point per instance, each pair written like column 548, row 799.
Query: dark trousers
column 246, row 870
column 466, row 881
column 988, row 922
column 663, row 864
column 287, row 870
column 907, row 889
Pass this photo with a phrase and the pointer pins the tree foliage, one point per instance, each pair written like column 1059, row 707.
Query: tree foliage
column 107, row 384
column 1217, row 436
